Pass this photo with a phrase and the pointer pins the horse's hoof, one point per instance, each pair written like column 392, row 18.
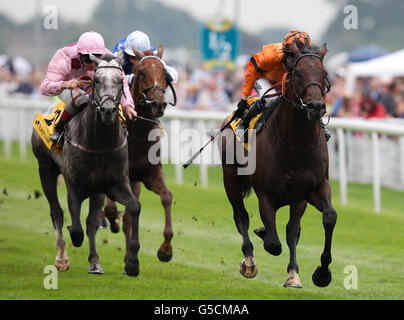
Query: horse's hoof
column 164, row 257
column 95, row 268
column 114, row 227
column 248, row 268
column 293, row 280
column 322, row 277
column 77, row 236
column 132, row 268
column 274, row 249
column 62, row 264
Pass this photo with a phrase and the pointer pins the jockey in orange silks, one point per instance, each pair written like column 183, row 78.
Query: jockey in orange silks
column 70, row 63
column 265, row 69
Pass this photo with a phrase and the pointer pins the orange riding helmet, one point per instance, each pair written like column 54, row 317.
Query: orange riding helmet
column 290, row 37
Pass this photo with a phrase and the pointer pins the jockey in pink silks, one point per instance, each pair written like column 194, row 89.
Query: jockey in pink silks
column 70, row 63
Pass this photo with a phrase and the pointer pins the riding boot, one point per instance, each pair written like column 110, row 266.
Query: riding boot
column 59, row 128
column 242, row 128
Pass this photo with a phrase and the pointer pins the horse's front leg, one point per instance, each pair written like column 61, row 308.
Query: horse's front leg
column 157, row 184
column 292, row 238
column 268, row 233
column 123, row 194
column 76, row 231
column 96, row 203
column 127, row 220
column 321, row 199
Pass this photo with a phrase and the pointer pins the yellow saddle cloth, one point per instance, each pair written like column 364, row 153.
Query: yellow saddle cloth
column 45, row 125
column 253, row 121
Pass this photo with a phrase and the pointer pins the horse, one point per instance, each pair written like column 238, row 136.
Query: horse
column 93, row 162
column 147, row 89
column 291, row 166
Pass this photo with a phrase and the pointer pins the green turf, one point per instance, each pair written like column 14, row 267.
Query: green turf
column 207, row 246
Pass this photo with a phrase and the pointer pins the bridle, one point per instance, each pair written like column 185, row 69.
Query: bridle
column 145, row 100
column 101, row 100
column 298, row 95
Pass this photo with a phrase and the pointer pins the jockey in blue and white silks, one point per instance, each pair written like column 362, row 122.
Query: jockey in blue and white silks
column 141, row 42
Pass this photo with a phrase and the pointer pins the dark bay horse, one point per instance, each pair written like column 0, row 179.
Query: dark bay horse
column 147, row 89
column 291, row 167
column 94, row 162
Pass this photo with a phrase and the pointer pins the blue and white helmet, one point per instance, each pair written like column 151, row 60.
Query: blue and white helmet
column 138, row 40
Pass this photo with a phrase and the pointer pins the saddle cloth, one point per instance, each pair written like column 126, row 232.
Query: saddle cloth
column 45, row 125
column 253, row 121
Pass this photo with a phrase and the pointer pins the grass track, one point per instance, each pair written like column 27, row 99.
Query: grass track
column 207, row 247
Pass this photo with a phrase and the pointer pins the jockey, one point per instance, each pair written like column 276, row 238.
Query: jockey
column 66, row 66
column 265, row 69
column 141, row 42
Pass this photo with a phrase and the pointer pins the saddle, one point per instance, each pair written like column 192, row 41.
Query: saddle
column 45, row 125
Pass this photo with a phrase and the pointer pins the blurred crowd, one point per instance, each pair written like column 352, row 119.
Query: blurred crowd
column 219, row 90
column 371, row 97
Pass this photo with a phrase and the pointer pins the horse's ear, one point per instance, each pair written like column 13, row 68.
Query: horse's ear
column 119, row 56
column 160, row 51
column 94, row 59
column 138, row 53
column 323, row 50
column 295, row 50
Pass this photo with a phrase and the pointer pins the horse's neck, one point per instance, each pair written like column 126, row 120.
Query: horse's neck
column 93, row 134
column 295, row 128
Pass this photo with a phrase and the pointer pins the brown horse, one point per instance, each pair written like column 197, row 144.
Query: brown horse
column 291, row 166
column 147, row 89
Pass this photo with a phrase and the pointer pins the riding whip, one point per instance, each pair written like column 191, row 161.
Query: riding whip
column 210, row 140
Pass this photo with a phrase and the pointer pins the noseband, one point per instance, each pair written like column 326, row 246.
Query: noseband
column 300, row 104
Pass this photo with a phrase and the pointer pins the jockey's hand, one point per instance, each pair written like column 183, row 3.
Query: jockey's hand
column 70, row 84
column 241, row 107
column 130, row 113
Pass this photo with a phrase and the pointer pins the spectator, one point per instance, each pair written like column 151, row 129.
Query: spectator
column 370, row 108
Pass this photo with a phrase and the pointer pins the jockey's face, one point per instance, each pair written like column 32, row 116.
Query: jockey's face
column 88, row 64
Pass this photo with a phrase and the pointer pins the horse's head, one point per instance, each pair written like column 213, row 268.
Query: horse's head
column 308, row 78
column 108, row 87
column 151, row 81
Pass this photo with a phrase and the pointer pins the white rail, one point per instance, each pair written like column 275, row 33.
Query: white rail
column 360, row 150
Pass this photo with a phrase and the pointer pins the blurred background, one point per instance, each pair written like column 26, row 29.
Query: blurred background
column 209, row 43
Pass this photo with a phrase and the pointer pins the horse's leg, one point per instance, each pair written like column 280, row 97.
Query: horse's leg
column 127, row 220
column 113, row 215
column 123, row 194
column 96, row 203
column 49, row 173
column 292, row 238
column 269, row 233
column 76, row 231
column 233, row 185
column 321, row 199
column 157, row 184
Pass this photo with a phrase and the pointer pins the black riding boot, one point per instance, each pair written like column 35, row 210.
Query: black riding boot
column 254, row 110
column 59, row 128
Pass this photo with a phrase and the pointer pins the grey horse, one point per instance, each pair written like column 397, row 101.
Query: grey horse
column 94, row 162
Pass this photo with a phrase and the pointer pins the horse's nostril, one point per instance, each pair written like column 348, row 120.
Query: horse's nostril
column 102, row 109
column 114, row 110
